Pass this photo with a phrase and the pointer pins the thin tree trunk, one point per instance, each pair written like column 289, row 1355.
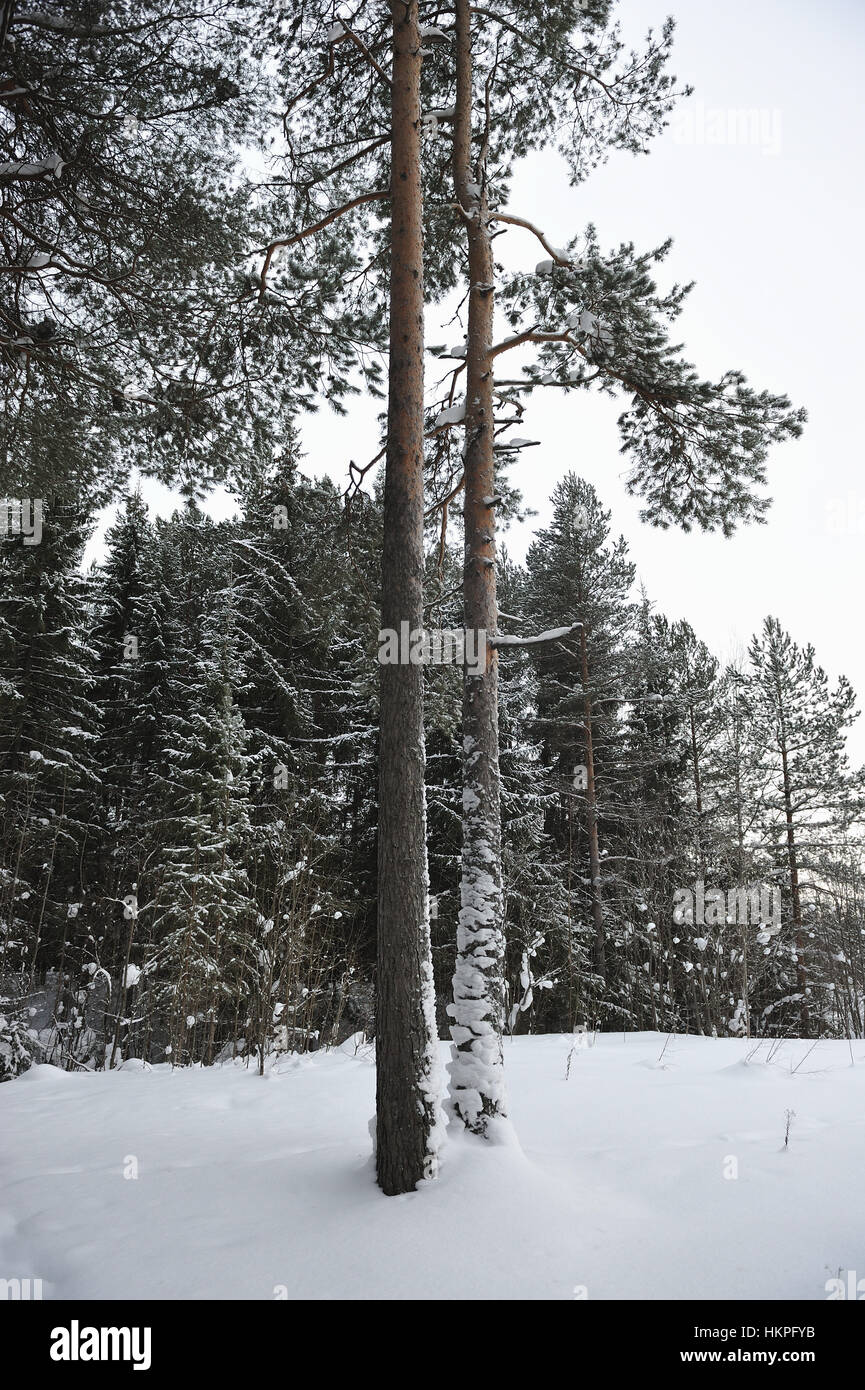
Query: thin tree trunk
column 407, row 1064
column 121, row 1004
column 698, row 790
column 793, row 862
column 599, row 955
column 477, row 1081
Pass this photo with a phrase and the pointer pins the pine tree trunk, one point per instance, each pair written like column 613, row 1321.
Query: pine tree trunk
column 406, row 1088
column 476, row 1071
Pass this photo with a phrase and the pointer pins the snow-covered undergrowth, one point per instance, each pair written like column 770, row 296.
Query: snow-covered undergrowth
column 621, row 1183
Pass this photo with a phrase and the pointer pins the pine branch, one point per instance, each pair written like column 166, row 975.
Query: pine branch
column 378, row 195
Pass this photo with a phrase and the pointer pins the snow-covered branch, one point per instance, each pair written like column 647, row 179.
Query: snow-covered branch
column 557, row 255
column 555, row 634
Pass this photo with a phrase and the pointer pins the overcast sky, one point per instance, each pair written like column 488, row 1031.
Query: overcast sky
column 771, row 228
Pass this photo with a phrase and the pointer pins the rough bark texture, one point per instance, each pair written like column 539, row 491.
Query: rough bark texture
column 477, row 1082
column 407, row 1125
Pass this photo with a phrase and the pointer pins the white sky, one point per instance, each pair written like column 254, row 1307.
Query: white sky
column 772, row 231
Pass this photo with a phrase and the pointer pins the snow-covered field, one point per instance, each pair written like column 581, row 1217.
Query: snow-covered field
column 619, row 1186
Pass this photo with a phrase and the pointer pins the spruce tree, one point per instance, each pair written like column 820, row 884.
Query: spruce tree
column 808, row 797
column 203, row 901
column 48, row 776
column 575, row 572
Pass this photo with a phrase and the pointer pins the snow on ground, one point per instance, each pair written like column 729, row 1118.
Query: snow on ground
column 252, row 1187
